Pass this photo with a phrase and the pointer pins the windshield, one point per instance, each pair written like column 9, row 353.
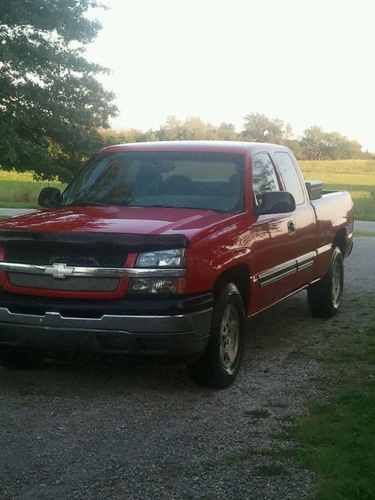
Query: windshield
column 212, row 181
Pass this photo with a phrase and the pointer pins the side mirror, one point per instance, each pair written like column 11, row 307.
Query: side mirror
column 315, row 189
column 275, row 202
column 49, row 197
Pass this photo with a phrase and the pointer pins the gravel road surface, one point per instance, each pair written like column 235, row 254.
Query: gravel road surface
column 143, row 431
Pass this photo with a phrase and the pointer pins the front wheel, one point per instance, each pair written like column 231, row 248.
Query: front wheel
column 325, row 297
column 219, row 365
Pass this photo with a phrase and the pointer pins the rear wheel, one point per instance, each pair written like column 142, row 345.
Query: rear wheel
column 325, row 296
column 219, row 365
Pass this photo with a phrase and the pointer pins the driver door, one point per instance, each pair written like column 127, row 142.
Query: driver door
column 273, row 265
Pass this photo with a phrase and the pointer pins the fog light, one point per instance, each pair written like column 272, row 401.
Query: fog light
column 153, row 285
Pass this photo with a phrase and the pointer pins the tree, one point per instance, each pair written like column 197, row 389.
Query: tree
column 189, row 129
column 295, row 146
column 194, row 129
column 110, row 136
column 340, row 147
column 319, row 145
column 313, row 144
column 51, row 103
column 226, row 132
column 260, row 128
column 171, row 130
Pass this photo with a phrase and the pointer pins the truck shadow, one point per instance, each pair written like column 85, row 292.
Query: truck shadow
column 269, row 334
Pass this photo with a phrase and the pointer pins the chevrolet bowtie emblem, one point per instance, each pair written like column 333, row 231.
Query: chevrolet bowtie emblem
column 59, row 271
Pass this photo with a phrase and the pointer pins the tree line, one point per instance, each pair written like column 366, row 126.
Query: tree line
column 314, row 143
column 55, row 113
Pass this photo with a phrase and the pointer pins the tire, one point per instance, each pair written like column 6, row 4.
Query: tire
column 220, row 363
column 325, row 296
column 21, row 360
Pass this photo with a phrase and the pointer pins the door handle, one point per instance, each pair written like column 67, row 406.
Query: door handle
column 291, row 227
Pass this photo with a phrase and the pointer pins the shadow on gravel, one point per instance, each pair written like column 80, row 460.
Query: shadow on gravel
column 140, row 429
column 88, row 377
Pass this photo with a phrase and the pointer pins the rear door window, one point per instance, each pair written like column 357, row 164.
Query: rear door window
column 289, row 176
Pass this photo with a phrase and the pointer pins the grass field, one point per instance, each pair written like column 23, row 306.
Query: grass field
column 357, row 176
column 19, row 190
column 337, row 436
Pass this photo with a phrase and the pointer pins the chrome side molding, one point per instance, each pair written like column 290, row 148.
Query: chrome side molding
column 277, row 273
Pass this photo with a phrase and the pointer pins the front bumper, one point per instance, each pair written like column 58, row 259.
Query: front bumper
column 181, row 333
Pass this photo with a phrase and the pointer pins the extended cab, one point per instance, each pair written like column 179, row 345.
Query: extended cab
column 165, row 249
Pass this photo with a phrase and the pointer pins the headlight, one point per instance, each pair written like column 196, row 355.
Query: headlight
column 154, row 286
column 162, row 258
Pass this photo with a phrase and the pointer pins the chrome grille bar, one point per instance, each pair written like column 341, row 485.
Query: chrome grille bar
column 62, row 271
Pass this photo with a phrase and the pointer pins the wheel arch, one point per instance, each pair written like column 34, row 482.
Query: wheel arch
column 239, row 275
column 341, row 241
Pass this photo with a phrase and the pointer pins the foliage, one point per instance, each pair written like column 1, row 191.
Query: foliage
column 54, row 112
column 319, row 145
column 111, row 136
column 51, row 103
column 315, row 144
column 173, row 130
column 193, row 128
column 260, row 128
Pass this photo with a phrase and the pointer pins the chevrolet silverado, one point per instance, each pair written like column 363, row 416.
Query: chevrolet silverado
column 167, row 249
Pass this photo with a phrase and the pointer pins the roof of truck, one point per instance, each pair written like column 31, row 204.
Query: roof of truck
column 213, row 146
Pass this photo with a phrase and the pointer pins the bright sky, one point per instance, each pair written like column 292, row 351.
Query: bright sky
column 308, row 62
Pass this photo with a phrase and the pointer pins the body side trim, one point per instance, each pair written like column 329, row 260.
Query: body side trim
column 324, row 248
column 274, row 274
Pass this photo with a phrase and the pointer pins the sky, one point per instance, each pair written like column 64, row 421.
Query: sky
column 307, row 62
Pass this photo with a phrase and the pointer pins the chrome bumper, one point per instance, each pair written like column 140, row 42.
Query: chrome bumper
column 176, row 334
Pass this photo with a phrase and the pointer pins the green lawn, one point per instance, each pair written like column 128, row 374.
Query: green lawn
column 337, row 439
column 339, row 445
column 19, row 190
column 357, row 176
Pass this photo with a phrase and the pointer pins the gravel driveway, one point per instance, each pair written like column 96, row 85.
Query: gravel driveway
column 143, row 431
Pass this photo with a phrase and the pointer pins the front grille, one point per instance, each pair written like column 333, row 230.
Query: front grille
column 74, row 284
column 43, row 253
column 74, row 254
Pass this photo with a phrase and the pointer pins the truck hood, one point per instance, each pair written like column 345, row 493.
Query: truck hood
column 113, row 219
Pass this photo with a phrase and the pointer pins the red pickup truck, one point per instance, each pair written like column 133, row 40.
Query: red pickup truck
column 166, row 249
